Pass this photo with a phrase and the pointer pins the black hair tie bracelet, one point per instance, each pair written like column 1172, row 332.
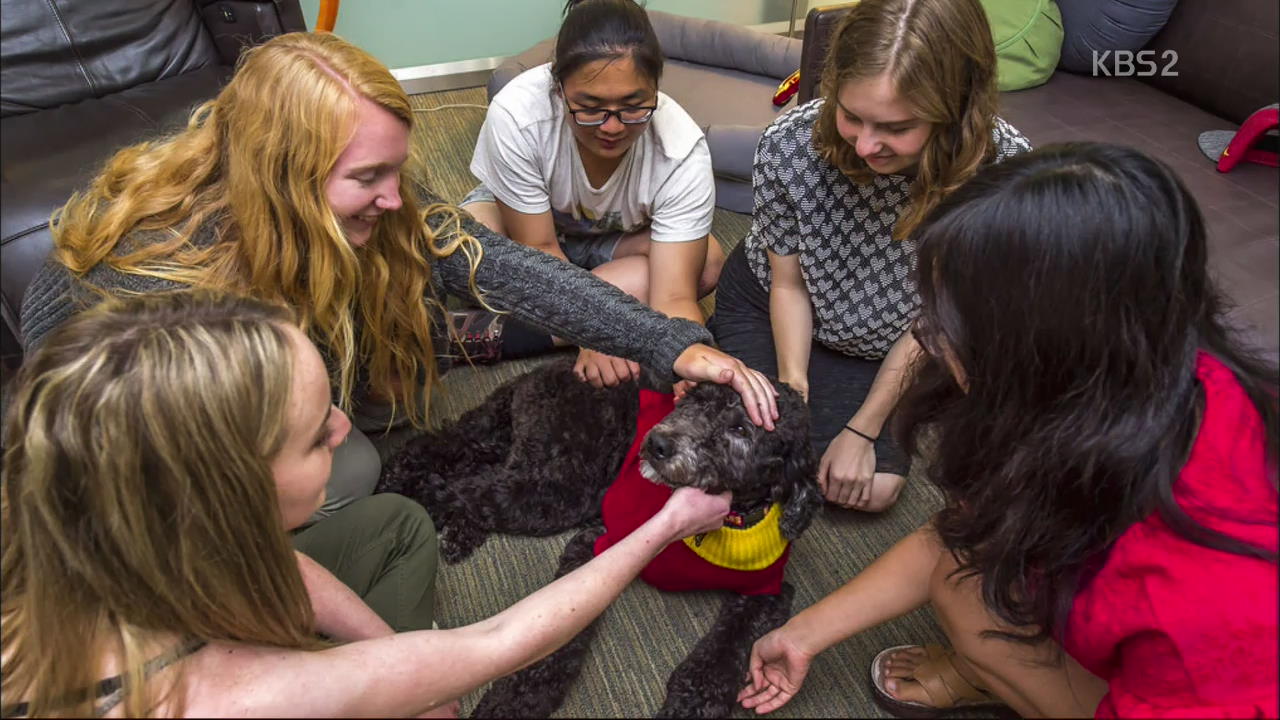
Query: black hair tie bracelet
column 860, row 434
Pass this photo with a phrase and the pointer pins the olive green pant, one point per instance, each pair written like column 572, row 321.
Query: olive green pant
column 357, row 462
column 383, row 547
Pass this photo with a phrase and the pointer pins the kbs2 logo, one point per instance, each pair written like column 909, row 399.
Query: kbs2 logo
column 1126, row 63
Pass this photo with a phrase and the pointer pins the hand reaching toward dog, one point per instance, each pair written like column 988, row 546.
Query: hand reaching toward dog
column 690, row 511
column 701, row 363
column 776, row 671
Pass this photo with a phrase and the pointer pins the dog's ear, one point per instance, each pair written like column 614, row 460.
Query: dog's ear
column 798, row 492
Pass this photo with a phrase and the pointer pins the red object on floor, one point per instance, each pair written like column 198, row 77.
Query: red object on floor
column 632, row 500
column 1241, row 145
column 1178, row 629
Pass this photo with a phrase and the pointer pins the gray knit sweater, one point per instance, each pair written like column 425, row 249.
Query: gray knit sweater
column 563, row 299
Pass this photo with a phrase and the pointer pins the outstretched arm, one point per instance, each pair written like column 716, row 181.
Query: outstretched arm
column 410, row 673
column 567, row 301
column 892, row 586
column 573, row 304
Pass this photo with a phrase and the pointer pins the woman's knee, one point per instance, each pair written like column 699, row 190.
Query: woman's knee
column 487, row 214
column 633, row 244
column 711, row 267
column 408, row 520
column 629, row 274
column 353, row 475
column 885, row 489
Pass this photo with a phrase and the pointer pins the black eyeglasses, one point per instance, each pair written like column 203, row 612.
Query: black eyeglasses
column 595, row 117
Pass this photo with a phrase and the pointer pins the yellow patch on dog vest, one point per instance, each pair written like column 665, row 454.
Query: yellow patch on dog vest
column 753, row 548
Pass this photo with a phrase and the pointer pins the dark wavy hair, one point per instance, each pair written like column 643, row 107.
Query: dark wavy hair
column 1068, row 290
column 606, row 29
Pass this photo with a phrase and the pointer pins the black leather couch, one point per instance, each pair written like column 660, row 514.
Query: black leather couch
column 80, row 79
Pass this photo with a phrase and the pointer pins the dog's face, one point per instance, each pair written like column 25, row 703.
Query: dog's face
column 709, row 442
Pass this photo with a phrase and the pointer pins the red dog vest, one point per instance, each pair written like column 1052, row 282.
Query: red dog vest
column 709, row 562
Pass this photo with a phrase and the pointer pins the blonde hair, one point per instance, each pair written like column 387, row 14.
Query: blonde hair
column 252, row 164
column 139, row 499
column 940, row 58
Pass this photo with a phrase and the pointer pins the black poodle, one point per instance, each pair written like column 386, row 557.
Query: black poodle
column 538, row 458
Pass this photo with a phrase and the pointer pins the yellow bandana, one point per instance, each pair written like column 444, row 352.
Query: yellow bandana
column 753, row 548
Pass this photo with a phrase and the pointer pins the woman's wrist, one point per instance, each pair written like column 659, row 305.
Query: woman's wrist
column 803, row 637
column 688, row 512
column 788, row 369
column 867, row 422
column 865, row 436
column 790, row 376
column 665, row 525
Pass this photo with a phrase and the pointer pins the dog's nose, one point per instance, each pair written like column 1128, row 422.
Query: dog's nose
column 659, row 445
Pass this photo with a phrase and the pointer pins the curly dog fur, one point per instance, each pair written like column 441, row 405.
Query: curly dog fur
column 537, row 458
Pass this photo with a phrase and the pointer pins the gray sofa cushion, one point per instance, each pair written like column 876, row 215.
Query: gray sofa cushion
column 722, row 45
column 733, row 151
column 718, row 96
column 1098, row 26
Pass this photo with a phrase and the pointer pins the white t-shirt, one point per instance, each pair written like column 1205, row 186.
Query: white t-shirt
column 527, row 157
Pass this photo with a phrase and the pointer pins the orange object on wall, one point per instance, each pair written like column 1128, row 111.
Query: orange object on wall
column 328, row 16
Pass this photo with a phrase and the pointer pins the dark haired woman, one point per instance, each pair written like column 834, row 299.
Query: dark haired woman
column 820, row 292
column 1107, row 450
column 584, row 159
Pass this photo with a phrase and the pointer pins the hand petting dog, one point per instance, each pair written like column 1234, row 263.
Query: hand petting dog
column 704, row 363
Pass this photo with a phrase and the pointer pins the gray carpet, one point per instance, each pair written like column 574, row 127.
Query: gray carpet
column 646, row 632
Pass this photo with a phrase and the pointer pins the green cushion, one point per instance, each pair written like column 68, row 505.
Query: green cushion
column 1028, row 38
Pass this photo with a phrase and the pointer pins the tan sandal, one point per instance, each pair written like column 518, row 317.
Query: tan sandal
column 946, row 687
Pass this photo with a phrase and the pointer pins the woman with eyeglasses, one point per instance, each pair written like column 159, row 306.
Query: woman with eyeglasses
column 585, row 160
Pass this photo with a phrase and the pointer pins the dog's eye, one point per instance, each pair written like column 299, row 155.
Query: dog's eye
column 740, row 429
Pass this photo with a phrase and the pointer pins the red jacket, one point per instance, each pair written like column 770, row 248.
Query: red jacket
column 632, row 500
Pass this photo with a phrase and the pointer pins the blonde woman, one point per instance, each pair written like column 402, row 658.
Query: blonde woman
column 297, row 184
column 157, row 451
column 820, row 292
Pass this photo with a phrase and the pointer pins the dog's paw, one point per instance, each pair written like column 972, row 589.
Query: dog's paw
column 688, row 696
column 457, row 543
column 523, row 695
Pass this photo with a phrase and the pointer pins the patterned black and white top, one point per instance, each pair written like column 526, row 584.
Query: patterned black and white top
column 860, row 279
